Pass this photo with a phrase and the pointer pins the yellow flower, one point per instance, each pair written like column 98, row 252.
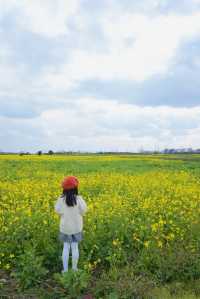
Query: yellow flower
column 146, row 244
column 154, row 227
column 171, row 236
column 7, row 266
column 115, row 243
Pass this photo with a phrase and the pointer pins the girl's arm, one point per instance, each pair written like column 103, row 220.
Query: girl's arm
column 58, row 206
column 82, row 206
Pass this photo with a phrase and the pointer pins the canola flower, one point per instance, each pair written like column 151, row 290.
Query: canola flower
column 128, row 213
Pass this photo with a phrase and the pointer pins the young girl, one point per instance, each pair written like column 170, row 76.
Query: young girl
column 71, row 207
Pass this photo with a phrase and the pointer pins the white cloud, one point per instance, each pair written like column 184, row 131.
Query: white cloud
column 90, row 124
column 133, row 46
column 137, row 48
column 47, row 17
column 53, row 81
column 155, row 41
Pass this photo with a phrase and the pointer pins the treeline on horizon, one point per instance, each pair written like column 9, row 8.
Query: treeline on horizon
column 51, row 152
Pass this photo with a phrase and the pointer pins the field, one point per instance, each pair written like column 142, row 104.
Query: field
column 141, row 232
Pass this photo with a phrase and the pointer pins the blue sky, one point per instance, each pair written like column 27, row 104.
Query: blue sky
column 99, row 75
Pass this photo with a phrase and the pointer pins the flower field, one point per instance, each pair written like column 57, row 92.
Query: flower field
column 143, row 216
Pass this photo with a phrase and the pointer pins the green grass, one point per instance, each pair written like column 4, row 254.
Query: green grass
column 133, row 164
column 36, row 169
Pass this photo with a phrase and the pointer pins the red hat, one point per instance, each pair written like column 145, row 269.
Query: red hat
column 69, row 182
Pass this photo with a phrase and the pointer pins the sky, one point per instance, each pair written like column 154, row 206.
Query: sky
column 106, row 75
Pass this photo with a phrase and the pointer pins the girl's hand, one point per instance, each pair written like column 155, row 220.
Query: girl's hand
column 58, row 206
column 82, row 205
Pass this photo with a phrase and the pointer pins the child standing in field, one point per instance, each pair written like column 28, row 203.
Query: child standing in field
column 71, row 207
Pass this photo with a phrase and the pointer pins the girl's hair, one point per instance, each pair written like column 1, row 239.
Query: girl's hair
column 70, row 196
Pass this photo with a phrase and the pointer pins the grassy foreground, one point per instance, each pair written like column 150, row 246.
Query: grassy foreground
column 141, row 232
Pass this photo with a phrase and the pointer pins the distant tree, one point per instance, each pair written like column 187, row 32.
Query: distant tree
column 39, row 153
column 50, row 152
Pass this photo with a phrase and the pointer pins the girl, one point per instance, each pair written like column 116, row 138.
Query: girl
column 71, row 207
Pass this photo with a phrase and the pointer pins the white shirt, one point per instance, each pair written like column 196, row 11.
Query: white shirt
column 71, row 220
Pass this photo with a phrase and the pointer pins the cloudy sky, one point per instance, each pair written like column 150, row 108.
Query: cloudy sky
column 96, row 75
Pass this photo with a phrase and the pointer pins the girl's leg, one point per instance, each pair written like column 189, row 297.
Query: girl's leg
column 75, row 255
column 65, row 256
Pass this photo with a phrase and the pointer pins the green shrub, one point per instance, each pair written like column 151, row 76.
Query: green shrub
column 123, row 283
column 74, row 282
column 29, row 269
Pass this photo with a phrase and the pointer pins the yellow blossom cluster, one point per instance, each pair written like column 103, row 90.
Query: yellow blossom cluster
column 128, row 210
